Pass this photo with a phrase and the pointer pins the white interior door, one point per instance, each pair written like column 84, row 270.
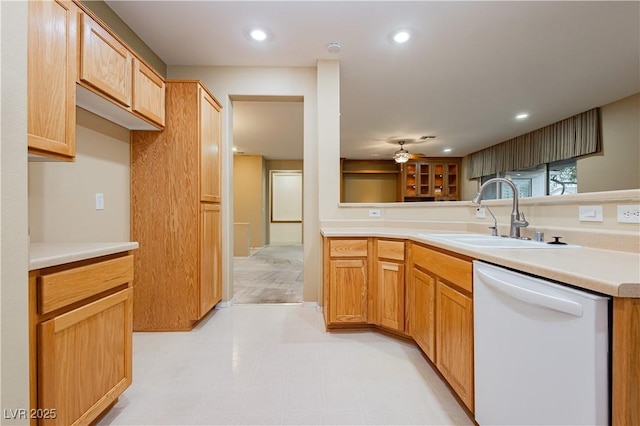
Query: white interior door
column 285, row 207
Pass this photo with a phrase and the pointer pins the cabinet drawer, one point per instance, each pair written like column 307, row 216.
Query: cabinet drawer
column 391, row 249
column 450, row 268
column 348, row 248
column 63, row 288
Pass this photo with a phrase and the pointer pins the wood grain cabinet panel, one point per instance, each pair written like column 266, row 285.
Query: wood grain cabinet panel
column 348, row 248
column 391, row 250
column 63, row 288
column 80, row 352
column 453, row 269
column 105, row 63
column 85, row 359
column 52, row 66
column 210, row 140
column 454, row 346
column 348, row 291
column 210, row 257
column 390, row 289
column 148, row 93
column 422, row 301
column 177, row 282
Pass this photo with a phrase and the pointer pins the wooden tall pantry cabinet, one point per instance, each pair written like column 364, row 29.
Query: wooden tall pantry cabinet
column 175, row 212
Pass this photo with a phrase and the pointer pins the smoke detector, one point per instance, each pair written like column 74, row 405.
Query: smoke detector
column 334, row 47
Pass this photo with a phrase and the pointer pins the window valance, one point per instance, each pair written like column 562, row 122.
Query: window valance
column 569, row 138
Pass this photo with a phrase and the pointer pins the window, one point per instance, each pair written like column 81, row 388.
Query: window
column 555, row 178
column 563, row 177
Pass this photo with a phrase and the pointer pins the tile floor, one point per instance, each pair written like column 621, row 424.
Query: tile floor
column 272, row 274
column 275, row 364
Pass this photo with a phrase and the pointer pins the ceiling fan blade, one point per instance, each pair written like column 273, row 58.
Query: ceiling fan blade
column 416, row 155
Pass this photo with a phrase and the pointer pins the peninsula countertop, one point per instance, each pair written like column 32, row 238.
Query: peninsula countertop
column 615, row 273
column 44, row 255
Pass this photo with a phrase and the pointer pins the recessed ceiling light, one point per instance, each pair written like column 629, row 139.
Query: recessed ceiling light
column 401, row 36
column 447, row 150
column 258, row 34
column 522, row 116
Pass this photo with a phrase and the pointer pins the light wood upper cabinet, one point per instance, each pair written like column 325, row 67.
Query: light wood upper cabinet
column 148, row 93
column 210, row 257
column 52, row 66
column 210, row 140
column 105, row 63
column 454, row 347
column 114, row 82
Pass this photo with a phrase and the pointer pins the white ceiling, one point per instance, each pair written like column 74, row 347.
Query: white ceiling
column 468, row 69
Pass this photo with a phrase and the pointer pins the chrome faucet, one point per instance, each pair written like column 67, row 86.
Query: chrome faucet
column 517, row 218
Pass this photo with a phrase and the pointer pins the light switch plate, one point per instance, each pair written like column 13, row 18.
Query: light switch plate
column 590, row 213
column 374, row 213
column 99, row 201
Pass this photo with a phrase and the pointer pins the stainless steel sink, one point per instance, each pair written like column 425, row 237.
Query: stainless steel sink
column 489, row 241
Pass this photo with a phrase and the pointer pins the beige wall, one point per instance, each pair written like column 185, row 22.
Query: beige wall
column 62, row 195
column 248, row 200
column 113, row 21
column 370, row 188
column 616, row 167
column 14, row 249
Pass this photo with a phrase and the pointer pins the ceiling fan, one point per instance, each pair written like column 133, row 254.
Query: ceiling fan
column 402, row 155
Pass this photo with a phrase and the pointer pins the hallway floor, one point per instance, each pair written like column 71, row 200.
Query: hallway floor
column 275, row 364
column 273, row 274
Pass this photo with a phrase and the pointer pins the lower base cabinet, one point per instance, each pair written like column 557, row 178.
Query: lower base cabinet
column 421, row 321
column 348, row 289
column 454, row 345
column 81, row 328
column 415, row 291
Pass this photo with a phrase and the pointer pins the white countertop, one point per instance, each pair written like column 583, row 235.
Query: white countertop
column 614, row 273
column 44, row 255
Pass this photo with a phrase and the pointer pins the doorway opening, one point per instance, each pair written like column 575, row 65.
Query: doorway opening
column 268, row 191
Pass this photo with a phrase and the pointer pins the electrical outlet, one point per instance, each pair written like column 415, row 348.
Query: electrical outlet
column 481, row 212
column 590, row 213
column 99, row 201
column 374, row 213
column 629, row 213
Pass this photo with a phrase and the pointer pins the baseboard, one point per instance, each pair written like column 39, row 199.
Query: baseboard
column 222, row 305
column 312, row 305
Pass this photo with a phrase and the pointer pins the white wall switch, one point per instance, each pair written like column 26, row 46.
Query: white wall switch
column 629, row 213
column 481, row 212
column 374, row 213
column 590, row 213
column 99, row 201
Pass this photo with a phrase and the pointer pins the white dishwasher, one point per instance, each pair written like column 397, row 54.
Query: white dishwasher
column 541, row 351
